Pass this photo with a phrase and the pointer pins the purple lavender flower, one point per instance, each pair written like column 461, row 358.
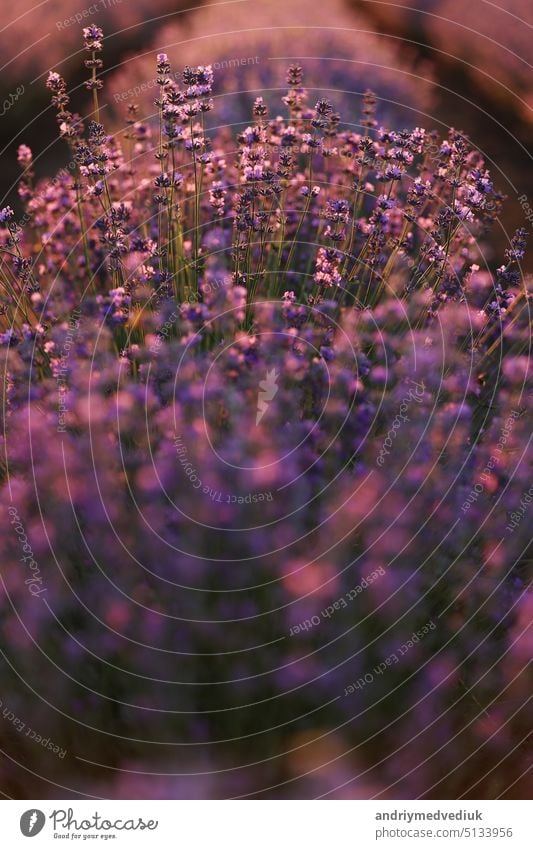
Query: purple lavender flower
column 264, row 450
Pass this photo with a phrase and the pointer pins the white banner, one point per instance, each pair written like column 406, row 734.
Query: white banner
column 266, row 824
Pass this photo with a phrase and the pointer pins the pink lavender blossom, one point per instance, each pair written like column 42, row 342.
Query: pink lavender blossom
column 264, row 427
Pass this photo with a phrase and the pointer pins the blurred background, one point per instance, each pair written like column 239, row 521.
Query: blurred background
column 438, row 63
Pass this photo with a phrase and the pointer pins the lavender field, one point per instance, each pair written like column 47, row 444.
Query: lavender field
column 266, row 485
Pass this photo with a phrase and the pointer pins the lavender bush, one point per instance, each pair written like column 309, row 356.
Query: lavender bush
column 265, row 470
